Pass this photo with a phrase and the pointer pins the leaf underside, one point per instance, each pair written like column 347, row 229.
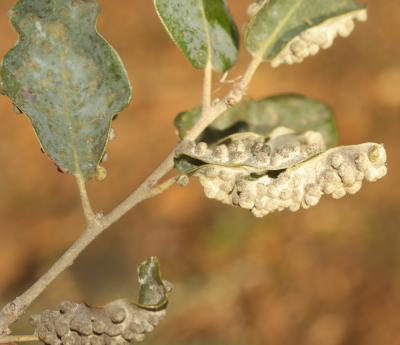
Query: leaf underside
column 66, row 78
column 279, row 21
column 297, row 112
column 202, row 29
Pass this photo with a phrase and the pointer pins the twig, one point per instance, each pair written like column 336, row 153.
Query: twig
column 207, row 85
column 18, row 339
column 14, row 309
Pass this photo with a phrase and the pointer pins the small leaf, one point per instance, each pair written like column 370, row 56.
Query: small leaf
column 67, row 79
column 153, row 291
column 202, row 29
column 287, row 31
column 262, row 116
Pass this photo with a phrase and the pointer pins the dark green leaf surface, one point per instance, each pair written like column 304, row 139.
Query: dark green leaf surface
column 202, row 29
column 279, row 21
column 152, row 291
column 66, row 78
column 261, row 116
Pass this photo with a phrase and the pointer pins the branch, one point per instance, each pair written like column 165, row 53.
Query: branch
column 207, row 85
column 148, row 189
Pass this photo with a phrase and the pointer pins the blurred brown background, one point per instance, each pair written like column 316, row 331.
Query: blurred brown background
column 326, row 276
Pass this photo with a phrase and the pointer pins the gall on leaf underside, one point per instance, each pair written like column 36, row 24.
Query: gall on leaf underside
column 288, row 31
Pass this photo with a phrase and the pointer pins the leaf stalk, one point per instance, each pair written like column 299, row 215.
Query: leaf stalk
column 86, row 206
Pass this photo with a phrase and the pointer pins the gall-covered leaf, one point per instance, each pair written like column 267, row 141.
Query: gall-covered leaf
column 288, row 31
column 66, row 77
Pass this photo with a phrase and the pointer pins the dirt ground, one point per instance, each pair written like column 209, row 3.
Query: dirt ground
column 326, row 276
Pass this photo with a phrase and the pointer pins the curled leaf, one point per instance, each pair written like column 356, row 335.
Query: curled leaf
column 288, row 31
column 337, row 172
column 153, row 291
column 66, row 77
column 203, row 30
column 282, row 149
column 118, row 322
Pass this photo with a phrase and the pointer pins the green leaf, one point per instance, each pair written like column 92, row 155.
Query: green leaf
column 153, row 291
column 294, row 111
column 203, row 30
column 287, row 31
column 66, row 77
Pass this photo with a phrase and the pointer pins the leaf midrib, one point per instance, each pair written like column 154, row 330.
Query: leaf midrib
column 68, row 118
column 271, row 39
column 207, row 32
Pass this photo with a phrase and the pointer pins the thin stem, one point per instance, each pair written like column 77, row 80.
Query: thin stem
column 142, row 193
column 207, row 86
column 162, row 187
column 18, row 339
column 250, row 71
column 87, row 208
column 14, row 309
